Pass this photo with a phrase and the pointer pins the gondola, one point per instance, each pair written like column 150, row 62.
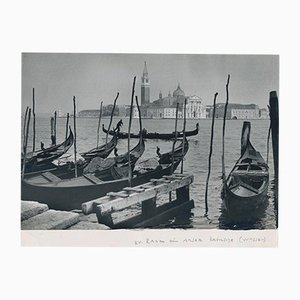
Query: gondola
column 71, row 193
column 103, row 169
column 245, row 189
column 67, row 170
column 154, row 135
column 102, row 151
column 166, row 158
column 42, row 159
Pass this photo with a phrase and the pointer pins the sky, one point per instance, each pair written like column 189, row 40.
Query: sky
column 92, row 78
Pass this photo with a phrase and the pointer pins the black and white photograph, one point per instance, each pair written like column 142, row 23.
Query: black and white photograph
column 149, row 141
column 149, row 149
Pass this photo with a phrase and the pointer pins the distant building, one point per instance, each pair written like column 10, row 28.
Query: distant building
column 195, row 108
column 235, row 111
column 94, row 113
column 89, row 113
column 145, row 87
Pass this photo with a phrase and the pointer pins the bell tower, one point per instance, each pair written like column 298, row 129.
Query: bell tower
column 145, row 87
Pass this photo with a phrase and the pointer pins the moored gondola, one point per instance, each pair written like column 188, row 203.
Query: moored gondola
column 42, row 159
column 71, row 193
column 102, row 151
column 246, row 187
column 154, row 135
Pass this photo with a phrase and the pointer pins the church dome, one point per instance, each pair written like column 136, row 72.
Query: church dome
column 178, row 92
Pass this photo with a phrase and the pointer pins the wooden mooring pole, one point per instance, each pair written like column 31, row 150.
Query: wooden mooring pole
column 223, row 135
column 129, row 129
column 55, row 116
column 210, row 152
column 173, row 147
column 75, row 137
column 52, row 131
column 67, row 125
column 33, row 115
column 111, row 117
column 99, row 122
column 24, row 126
column 176, row 135
column 274, row 124
column 25, row 142
column 183, row 133
column 274, row 117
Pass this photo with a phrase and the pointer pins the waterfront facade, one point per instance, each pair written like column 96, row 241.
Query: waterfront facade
column 242, row 114
column 195, row 109
column 237, row 111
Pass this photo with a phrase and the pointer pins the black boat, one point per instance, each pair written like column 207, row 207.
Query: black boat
column 42, row 159
column 103, row 169
column 246, row 186
column 69, row 194
column 153, row 135
column 166, row 158
column 102, row 151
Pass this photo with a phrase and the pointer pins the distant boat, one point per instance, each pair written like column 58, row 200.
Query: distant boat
column 154, row 135
column 246, row 186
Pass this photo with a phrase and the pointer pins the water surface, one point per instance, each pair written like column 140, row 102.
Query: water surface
column 196, row 161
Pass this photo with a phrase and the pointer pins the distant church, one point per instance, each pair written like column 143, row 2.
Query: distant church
column 165, row 107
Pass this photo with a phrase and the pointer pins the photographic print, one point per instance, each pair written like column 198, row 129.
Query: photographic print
column 160, row 144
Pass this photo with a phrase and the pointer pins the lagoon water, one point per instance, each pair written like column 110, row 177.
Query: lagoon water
column 196, row 160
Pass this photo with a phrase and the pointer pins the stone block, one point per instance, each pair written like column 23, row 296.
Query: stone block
column 82, row 225
column 31, row 208
column 50, row 219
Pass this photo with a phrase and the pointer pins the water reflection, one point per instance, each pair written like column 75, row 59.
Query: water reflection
column 183, row 221
column 253, row 220
column 274, row 197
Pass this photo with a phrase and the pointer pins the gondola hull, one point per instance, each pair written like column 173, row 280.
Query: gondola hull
column 70, row 194
column 102, row 151
column 154, row 135
column 42, row 159
column 244, row 209
column 245, row 189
